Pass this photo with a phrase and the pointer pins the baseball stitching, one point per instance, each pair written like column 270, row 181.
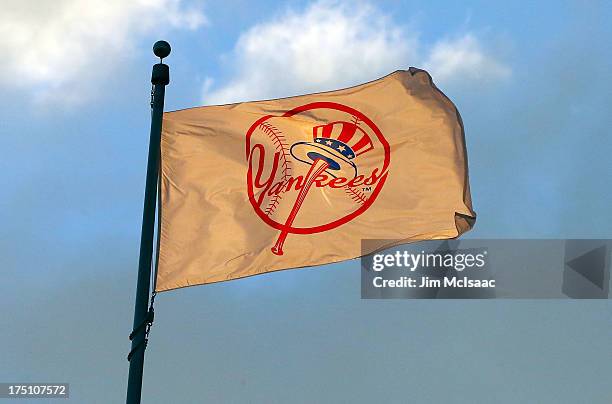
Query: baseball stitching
column 280, row 144
column 356, row 195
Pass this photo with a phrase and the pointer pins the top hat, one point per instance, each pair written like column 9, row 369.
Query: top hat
column 338, row 143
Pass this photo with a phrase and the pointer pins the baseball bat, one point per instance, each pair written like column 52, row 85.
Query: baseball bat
column 317, row 167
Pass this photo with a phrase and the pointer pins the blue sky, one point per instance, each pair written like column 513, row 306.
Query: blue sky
column 531, row 81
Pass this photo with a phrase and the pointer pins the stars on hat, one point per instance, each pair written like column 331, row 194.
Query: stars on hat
column 337, row 146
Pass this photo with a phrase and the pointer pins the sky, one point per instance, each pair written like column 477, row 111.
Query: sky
column 531, row 80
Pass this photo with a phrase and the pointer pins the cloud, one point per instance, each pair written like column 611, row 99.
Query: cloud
column 53, row 48
column 335, row 44
column 463, row 58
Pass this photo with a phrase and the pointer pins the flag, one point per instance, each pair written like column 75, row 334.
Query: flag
column 261, row 186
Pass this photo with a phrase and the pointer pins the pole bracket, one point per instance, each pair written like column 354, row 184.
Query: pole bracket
column 146, row 324
column 160, row 74
column 148, row 321
column 143, row 344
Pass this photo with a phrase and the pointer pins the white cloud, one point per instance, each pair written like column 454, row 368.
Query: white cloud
column 327, row 45
column 334, row 44
column 54, row 48
column 463, row 59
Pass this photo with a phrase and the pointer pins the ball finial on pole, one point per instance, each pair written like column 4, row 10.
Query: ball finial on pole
column 161, row 49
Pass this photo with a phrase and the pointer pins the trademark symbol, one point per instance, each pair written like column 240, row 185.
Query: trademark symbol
column 366, row 189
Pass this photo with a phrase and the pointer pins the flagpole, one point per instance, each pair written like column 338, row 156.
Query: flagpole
column 143, row 315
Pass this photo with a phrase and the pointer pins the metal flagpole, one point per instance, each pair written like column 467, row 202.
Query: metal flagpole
column 143, row 314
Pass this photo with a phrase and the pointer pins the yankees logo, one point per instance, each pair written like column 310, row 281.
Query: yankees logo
column 314, row 168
